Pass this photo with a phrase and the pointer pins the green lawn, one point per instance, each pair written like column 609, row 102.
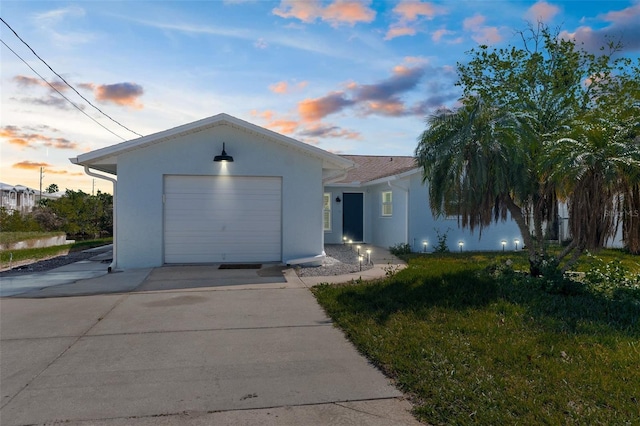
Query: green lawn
column 8, row 257
column 474, row 349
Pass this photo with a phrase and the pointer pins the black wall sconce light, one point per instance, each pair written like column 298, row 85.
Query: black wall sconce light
column 338, row 199
column 224, row 157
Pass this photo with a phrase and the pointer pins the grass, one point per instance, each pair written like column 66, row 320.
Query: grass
column 473, row 349
column 35, row 254
column 14, row 237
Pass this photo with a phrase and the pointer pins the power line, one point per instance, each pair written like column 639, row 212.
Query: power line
column 63, row 80
column 60, row 93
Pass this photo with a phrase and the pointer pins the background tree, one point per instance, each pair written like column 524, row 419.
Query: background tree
column 491, row 154
column 52, row 189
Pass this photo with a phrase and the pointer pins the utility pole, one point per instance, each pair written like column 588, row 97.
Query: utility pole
column 41, row 176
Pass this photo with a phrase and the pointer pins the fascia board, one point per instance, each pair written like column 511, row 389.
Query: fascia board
column 329, row 160
column 392, row 177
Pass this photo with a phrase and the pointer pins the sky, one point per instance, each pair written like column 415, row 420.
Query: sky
column 350, row 77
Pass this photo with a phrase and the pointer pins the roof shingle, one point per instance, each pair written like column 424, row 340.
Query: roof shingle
column 371, row 167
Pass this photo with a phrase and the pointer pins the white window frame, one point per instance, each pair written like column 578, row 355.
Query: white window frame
column 387, row 204
column 326, row 212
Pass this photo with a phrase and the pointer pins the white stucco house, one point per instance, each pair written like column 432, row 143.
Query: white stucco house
column 383, row 201
column 222, row 190
column 17, row 197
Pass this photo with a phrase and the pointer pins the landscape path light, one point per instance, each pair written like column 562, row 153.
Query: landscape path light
column 504, row 243
column 460, row 244
column 358, row 247
column 424, row 246
column 360, row 261
column 516, row 241
column 369, row 256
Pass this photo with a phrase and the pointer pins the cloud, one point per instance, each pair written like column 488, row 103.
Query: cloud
column 282, row 87
column 16, row 136
column 481, row 33
column 24, row 81
column 123, row 94
column 408, row 14
column 30, row 165
column 411, row 10
column 541, row 11
column 49, row 22
column 57, row 15
column 623, row 26
column 377, row 98
column 260, row 44
column 328, row 131
column 394, row 32
column 438, row 34
column 317, row 109
column 338, row 12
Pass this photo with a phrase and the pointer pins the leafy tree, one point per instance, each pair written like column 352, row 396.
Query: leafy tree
column 79, row 214
column 14, row 221
column 52, row 189
column 496, row 152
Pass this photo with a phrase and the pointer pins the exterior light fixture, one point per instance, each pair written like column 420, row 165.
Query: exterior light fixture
column 368, row 256
column 338, row 199
column 504, row 243
column 358, row 247
column 424, row 246
column 516, row 241
column 344, row 240
column 360, row 261
column 223, row 157
column 460, row 244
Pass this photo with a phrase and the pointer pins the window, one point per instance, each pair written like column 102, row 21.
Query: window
column 387, row 203
column 326, row 213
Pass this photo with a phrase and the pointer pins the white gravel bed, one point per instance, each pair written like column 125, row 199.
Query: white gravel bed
column 341, row 259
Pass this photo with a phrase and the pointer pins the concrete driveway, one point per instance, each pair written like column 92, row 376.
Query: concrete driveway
column 185, row 348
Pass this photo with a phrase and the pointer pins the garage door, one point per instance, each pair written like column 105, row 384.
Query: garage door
column 214, row 219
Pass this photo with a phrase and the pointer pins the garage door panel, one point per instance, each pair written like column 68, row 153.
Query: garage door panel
column 222, row 219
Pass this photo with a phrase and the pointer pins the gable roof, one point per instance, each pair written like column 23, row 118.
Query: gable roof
column 371, row 168
column 106, row 159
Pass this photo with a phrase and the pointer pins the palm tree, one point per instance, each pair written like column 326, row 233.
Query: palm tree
column 474, row 162
column 596, row 170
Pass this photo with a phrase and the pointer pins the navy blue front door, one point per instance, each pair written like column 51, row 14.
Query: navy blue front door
column 352, row 216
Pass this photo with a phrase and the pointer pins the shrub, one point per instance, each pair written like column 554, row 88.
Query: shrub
column 612, row 280
column 400, row 249
column 442, row 246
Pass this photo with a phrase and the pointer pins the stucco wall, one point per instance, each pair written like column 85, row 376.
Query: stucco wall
column 423, row 226
column 140, row 189
column 412, row 221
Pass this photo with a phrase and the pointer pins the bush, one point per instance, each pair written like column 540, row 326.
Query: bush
column 612, row 280
column 400, row 249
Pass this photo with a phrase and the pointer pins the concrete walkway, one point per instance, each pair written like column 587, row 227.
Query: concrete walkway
column 189, row 345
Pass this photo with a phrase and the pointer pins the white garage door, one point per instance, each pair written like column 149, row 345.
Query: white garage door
column 215, row 219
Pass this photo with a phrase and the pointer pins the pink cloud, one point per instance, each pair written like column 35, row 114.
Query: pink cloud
column 542, row 11
column 411, row 10
column 123, row 94
column 438, row 34
column 479, row 32
column 399, row 32
column 338, row 12
column 623, row 26
column 279, row 87
column 26, row 139
column 282, row 87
